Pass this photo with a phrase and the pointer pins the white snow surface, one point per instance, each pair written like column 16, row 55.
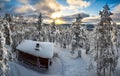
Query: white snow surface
column 63, row 65
column 28, row 46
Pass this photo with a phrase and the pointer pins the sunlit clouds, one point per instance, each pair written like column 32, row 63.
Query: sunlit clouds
column 24, row 9
column 78, row 3
column 64, row 11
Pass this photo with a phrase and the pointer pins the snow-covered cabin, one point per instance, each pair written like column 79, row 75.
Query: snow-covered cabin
column 35, row 53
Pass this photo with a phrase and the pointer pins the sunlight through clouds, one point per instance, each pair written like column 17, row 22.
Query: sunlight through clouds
column 60, row 9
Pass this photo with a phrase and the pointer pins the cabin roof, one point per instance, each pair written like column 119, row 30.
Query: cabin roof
column 28, row 46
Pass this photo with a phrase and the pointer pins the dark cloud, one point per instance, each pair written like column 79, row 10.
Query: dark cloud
column 4, row 1
column 116, row 17
column 47, row 6
column 71, row 18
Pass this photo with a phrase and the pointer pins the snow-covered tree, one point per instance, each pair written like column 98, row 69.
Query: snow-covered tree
column 8, row 17
column 52, row 32
column 7, row 32
column 4, row 68
column 39, row 22
column 106, row 52
column 79, row 35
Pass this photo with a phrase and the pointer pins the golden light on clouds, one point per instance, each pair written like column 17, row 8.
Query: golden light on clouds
column 59, row 21
column 56, row 15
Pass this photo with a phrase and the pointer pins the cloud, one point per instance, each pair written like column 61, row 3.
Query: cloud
column 74, row 6
column 91, row 19
column 96, row 19
column 24, row 1
column 47, row 6
column 71, row 18
column 78, row 3
column 1, row 5
column 5, row 0
column 117, row 9
column 24, row 9
column 116, row 14
column 51, row 8
column 116, row 17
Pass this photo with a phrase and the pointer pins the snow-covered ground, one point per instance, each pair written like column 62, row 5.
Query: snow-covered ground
column 117, row 72
column 64, row 65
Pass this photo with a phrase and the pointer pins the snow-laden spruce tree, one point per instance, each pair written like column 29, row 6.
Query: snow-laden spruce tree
column 106, row 52
column 41, row 31
column 52, row 31
column 7, row 32
column 79, row 36
column 8, row 17
column 39, row 22
column 3, row 56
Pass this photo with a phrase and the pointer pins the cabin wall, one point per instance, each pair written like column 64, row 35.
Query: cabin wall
column 33, row 60
column 27, row 58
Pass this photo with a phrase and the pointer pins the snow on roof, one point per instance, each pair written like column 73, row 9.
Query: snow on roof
column 28, row 46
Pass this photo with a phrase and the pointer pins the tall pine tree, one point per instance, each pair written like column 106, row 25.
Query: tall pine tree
column 106, row 44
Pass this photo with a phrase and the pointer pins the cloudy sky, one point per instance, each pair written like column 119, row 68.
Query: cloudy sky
column 64, row 11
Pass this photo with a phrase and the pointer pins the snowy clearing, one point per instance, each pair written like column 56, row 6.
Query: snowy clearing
column 65, row 65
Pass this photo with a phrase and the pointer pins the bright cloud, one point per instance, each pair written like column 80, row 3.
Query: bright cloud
column 24, row 9
column 74, row 7
column 52, row 8
column 56, row 15
column 117, row 9
column 116, row 14
column 47, row 7
column 78, row 3
column 92, row 19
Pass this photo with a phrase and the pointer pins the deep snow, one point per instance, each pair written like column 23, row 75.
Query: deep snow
column 63, row 65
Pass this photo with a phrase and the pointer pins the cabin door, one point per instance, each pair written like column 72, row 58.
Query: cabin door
column 43, row 62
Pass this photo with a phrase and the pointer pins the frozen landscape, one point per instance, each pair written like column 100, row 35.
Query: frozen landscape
column 59, row 38
column 64, row 65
